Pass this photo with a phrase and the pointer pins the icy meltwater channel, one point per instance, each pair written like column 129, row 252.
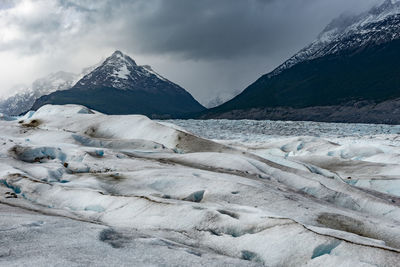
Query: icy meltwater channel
column 80, row 188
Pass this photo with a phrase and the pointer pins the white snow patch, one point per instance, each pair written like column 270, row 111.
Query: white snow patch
column 123, row 73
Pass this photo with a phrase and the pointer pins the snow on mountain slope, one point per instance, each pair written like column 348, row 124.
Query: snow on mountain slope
column 379, row 25
column 24, row 97
column 121, row 72
column 134, row 175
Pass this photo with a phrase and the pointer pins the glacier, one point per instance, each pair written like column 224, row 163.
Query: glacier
column 78, row 187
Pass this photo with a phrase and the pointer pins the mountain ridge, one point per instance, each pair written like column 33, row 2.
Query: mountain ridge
column 345, row 32
column 356, row 64
column 120, row 86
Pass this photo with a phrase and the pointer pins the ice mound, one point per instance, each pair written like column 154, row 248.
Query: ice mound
column 82, row 121
column 282, row 202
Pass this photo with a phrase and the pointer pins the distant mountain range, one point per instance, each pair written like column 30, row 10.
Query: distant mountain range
column 26, row 96
column 120, row 86
column 351, row 73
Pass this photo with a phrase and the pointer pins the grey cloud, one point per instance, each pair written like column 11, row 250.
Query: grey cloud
column 210, row 47
column 210, row 29
column 5, row 4
column 74, row 4
column 192, row 29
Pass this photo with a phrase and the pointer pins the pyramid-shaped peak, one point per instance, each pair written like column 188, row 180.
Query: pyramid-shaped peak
column 121, row 72
column 118, row 53
column 119, row 57
column 119, row 86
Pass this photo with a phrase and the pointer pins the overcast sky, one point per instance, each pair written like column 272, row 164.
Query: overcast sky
column 209, row 47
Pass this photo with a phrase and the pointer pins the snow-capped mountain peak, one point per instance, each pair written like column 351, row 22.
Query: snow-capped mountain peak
column 121, row 65
column 120, row 86
column 121, row 72
column 379, row 25
column 119, row 58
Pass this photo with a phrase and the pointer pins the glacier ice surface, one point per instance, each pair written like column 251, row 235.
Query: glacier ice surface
column 79, row 187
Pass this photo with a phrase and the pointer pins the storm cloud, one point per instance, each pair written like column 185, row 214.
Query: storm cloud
column 210, row 47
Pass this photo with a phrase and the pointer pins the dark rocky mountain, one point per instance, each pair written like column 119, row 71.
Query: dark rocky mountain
column 120, row 86
column 351, row 73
